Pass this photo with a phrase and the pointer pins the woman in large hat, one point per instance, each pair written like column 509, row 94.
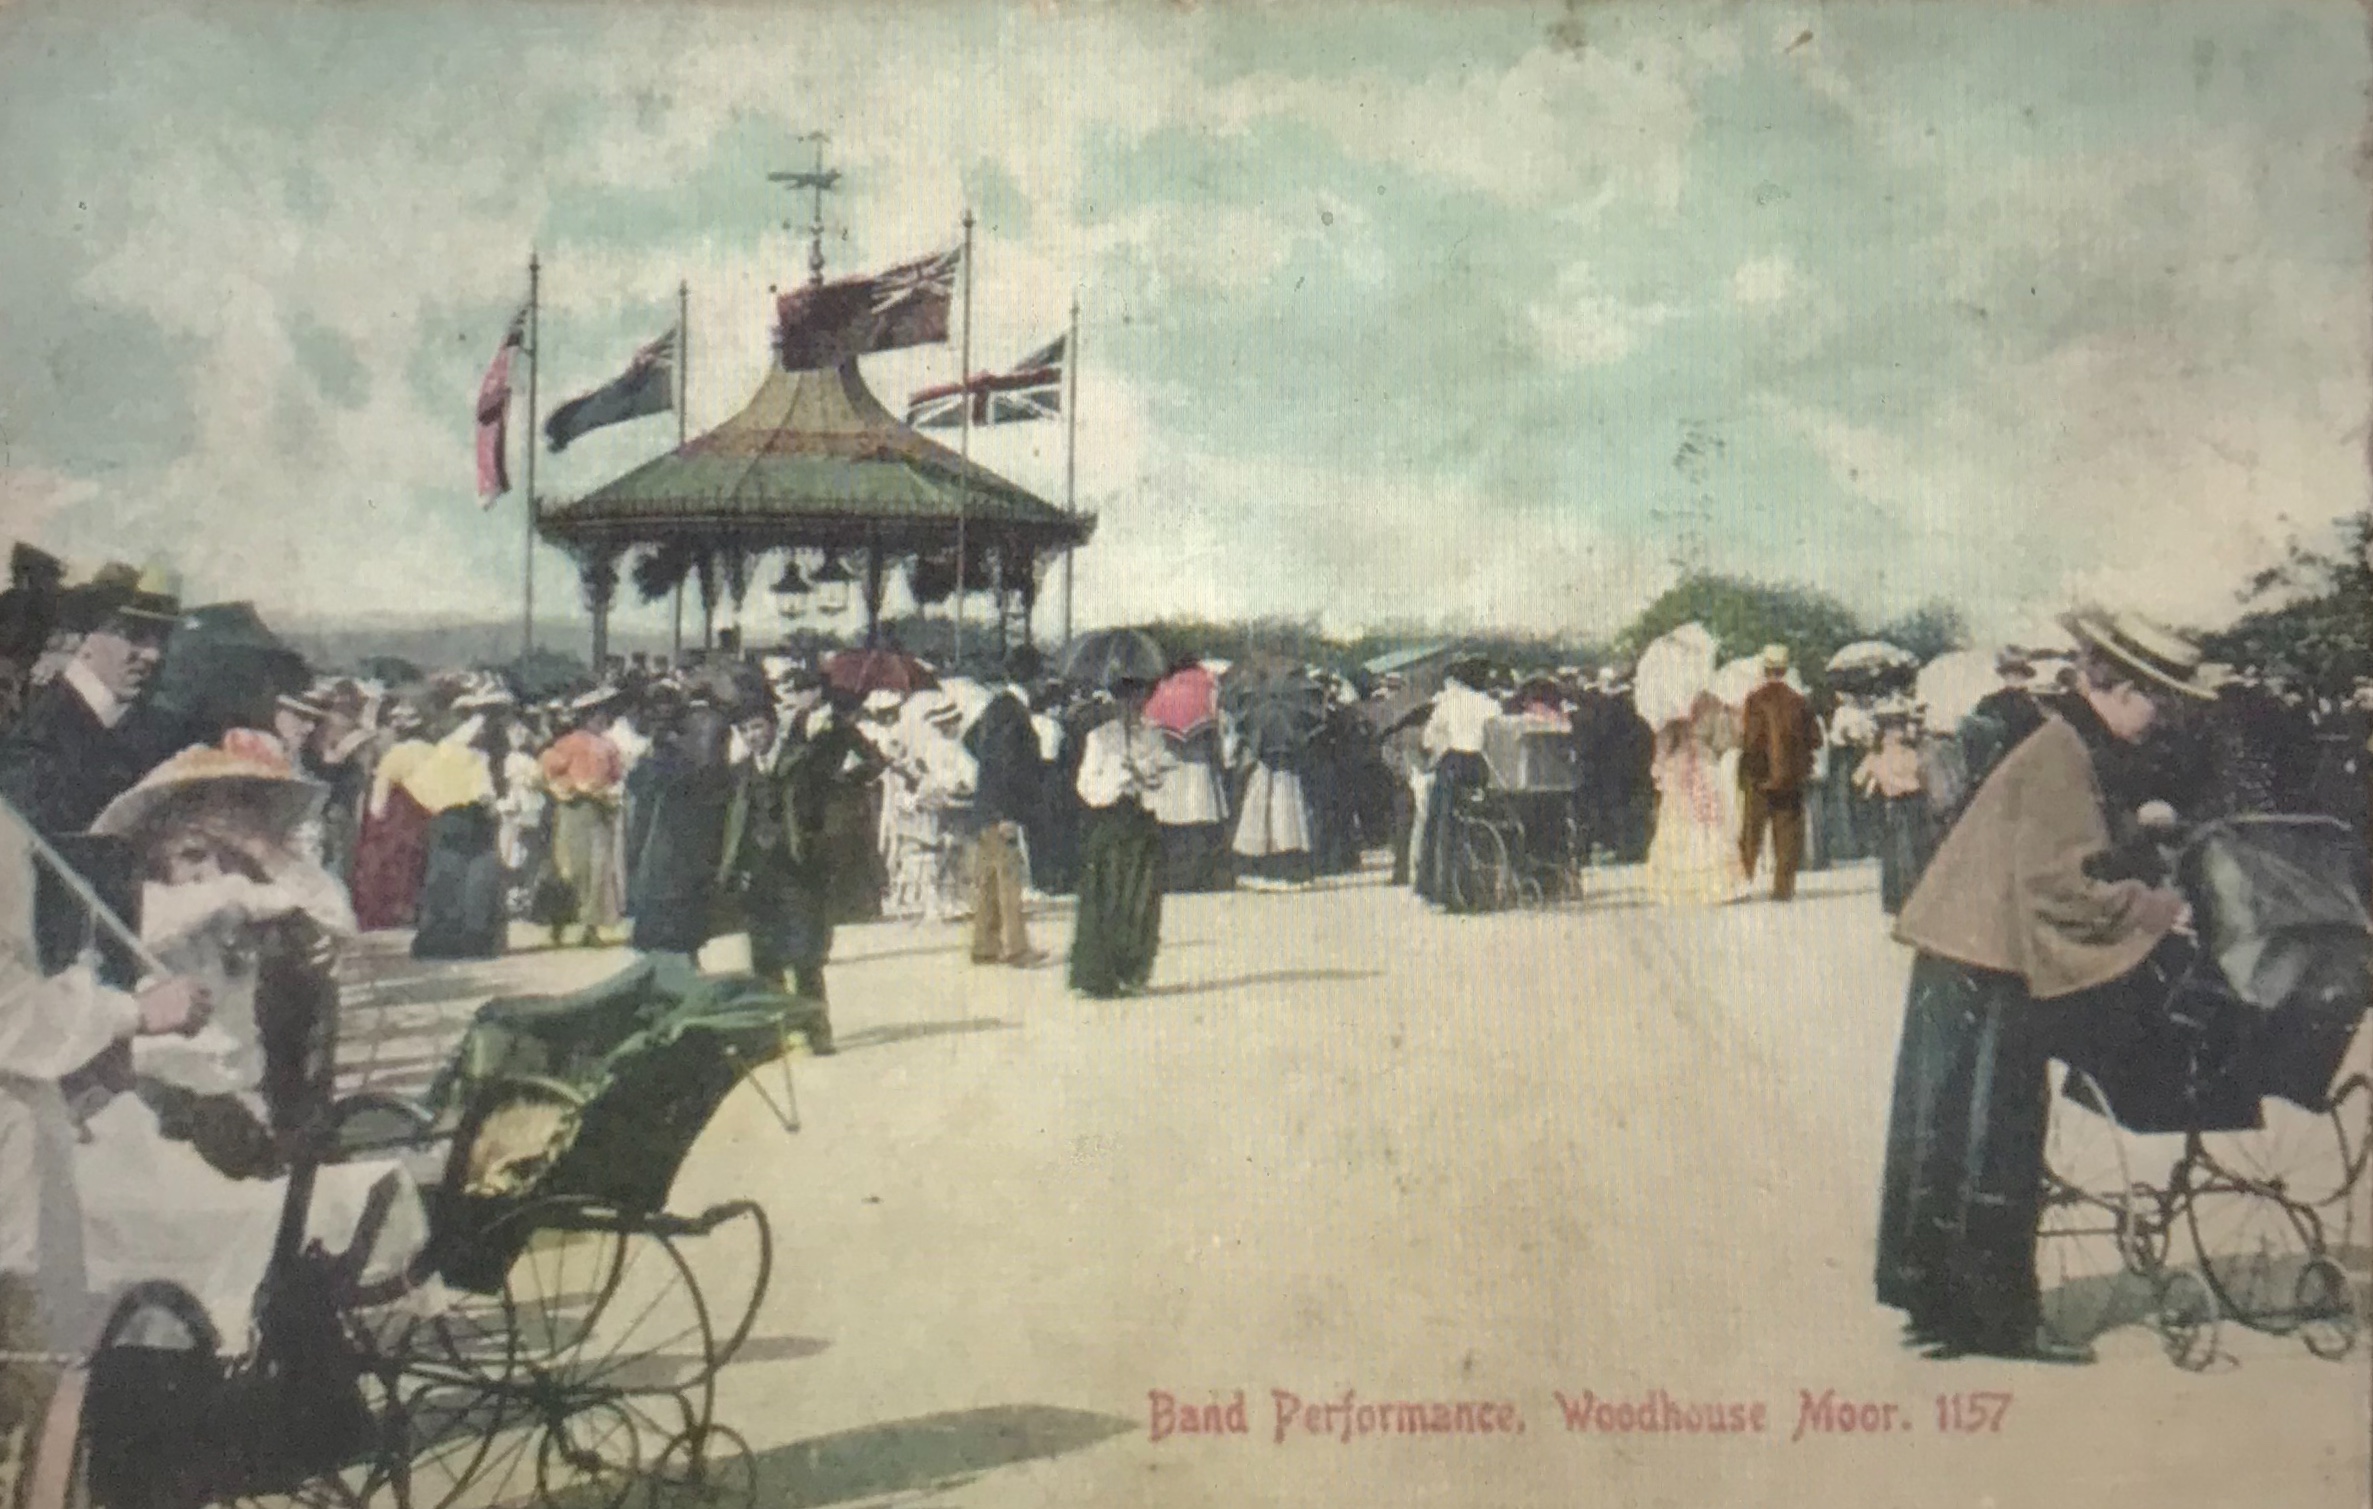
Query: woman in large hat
column 585, row 775
column 1122, row 765
column 230, row 901
column 462, row 783
column 2031, row 921
column 183, row 1177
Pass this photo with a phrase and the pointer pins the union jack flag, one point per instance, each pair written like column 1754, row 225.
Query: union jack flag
column 1031, row 389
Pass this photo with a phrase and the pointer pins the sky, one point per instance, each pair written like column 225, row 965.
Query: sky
column 1391, row 316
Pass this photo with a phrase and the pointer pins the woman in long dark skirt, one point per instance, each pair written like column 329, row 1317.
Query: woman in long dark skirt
column 1119, row 922
column 461, row 885
column 1454, row 737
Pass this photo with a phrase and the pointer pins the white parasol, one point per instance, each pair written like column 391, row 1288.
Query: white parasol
column 1672, row 673
column 1951, row 684
column 1865, row 655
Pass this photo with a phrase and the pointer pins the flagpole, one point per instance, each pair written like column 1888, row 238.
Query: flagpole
column 527, row 553
column 964, row 490
column 1070, row 450
column 675, row 632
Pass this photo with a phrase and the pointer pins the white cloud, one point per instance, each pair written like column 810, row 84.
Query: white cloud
column 1762, row 282
column 1580, row 325
column 31, row 497
column 1556, row 129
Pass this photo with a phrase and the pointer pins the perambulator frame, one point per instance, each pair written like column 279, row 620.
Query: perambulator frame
column 2210, row 1166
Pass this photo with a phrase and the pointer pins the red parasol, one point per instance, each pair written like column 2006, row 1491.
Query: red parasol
column 866, row 671
column 1187, row 700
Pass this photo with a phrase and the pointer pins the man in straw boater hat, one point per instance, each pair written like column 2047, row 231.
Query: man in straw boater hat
column 2029, row 922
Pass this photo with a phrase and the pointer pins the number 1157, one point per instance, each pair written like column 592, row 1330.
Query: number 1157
column 1976, row 1413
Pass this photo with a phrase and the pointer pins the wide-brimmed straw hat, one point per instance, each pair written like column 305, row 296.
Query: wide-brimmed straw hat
column 2152, row 651
column 244, row 780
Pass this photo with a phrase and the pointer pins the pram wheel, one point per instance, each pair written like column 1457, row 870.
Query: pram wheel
column 2097, row 1232
column 597, row 1318
column 589, row 1458
column 2326, row 1306
column 2253, row 1248
column 2188, row 1319
column 1485, row 879
column 707, row 1468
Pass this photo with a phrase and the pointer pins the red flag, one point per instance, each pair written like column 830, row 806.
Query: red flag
column 822, row 325
column 494, row 415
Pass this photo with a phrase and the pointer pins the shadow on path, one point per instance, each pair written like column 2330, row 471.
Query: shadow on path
column 900, row 1032
column 1266, row 977
column 934, row 1452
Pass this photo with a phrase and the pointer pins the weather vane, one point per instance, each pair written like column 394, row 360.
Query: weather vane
column 816, row 180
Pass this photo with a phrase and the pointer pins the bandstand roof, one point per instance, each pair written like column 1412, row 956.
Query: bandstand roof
column 813, row 459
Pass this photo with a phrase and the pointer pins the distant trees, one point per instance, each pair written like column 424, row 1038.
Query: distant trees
column 1930, row 630
column 1745, row 616
column 2314, row 613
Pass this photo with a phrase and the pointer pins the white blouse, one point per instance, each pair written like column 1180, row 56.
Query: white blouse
column 1120, row 761
column 1459, row 716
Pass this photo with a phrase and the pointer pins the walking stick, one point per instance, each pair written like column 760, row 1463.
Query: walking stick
column 100, row 911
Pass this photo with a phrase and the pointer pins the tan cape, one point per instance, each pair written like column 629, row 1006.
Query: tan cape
column 2008, row 891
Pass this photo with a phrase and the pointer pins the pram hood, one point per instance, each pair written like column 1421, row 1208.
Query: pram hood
column 2280, row 905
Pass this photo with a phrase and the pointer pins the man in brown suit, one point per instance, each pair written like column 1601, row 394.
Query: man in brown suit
column 1777, row 739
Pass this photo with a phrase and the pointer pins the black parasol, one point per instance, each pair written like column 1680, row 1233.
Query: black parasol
column 1104, row 657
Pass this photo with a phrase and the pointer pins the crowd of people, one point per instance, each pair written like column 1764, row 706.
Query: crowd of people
column 178, row 871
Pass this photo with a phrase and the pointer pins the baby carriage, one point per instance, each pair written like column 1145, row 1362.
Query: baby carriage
column 1518, row 836
column 2206, row 1151
column 560, row 1334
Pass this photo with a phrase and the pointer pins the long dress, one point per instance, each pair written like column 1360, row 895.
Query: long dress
column 1274, row 840
column 584, row 773
column 390, row 856
column 1119, row 924
column 1192, row 807
column 1694, row 858
column 461, row 886
column 391, row 848
column 675, row 874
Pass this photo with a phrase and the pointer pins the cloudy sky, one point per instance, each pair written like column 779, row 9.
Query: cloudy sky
column 1422, row 313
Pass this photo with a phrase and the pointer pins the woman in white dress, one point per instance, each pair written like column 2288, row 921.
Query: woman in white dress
column 927, row 803
column 1694, row 858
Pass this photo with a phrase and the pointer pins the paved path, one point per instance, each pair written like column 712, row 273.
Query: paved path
column 1347, row 1144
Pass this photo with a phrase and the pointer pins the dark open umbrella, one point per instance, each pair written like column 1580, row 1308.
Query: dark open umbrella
column 1105, row 656
column 222, row 669
column 877, row 670
column 1276, row 702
